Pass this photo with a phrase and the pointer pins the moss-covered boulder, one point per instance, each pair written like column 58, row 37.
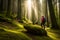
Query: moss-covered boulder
column 35, row 29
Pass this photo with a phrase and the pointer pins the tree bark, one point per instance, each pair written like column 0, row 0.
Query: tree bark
column 59, row 12
column 1, row 6
column 39, row 11
column 14, row 5
column 52, row 15
column 46, row 13
column 59, row 9
column 5, row 3
column 8, row 8
column 19, row 10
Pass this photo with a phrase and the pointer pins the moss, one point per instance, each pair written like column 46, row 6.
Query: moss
column 25, row 21
column 8, row 35
column 35, row 29
column 11, row 21
column 17, row 24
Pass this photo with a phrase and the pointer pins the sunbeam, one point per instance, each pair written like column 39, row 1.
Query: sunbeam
column 41, row 1
column 29, row 4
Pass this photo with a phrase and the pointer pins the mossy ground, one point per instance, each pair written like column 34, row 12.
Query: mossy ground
column 12, row 32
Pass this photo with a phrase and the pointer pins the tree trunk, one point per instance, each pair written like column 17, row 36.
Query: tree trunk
column 19, row 10
column 8, row 8
column 59, row 9
column 1, row 6
column 46, row 12
column 59, row 12
column 14, row 8
column 39, row 11
column 5, row 3
column 35, row 12
column 52, row 15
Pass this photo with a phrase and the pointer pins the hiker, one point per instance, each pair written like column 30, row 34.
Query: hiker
column 43, row 20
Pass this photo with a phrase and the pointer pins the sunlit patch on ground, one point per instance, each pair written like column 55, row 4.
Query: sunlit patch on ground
column 54, row 34
column 6, row 34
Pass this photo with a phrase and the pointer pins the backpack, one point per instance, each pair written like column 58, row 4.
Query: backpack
column 43, row 19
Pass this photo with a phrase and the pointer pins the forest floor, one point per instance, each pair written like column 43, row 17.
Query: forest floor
column 52, row 35
column 14, row 33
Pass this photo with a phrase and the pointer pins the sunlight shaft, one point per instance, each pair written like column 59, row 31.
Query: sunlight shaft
column 29, row 4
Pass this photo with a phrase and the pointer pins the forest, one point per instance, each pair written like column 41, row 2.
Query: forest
column 29, row 19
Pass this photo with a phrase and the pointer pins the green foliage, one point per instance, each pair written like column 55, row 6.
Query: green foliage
column 35, row 29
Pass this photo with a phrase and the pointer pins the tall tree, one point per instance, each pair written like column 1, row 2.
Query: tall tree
column 52, row 15
column 1, row 6
column 39, row 10
column 35, row 11
column 8, row 8
column 19, row 9
column 45, row 11
column 55, row 8
column 5, row 3
column 59, row 9
column 14, row 8
column 33, row 16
